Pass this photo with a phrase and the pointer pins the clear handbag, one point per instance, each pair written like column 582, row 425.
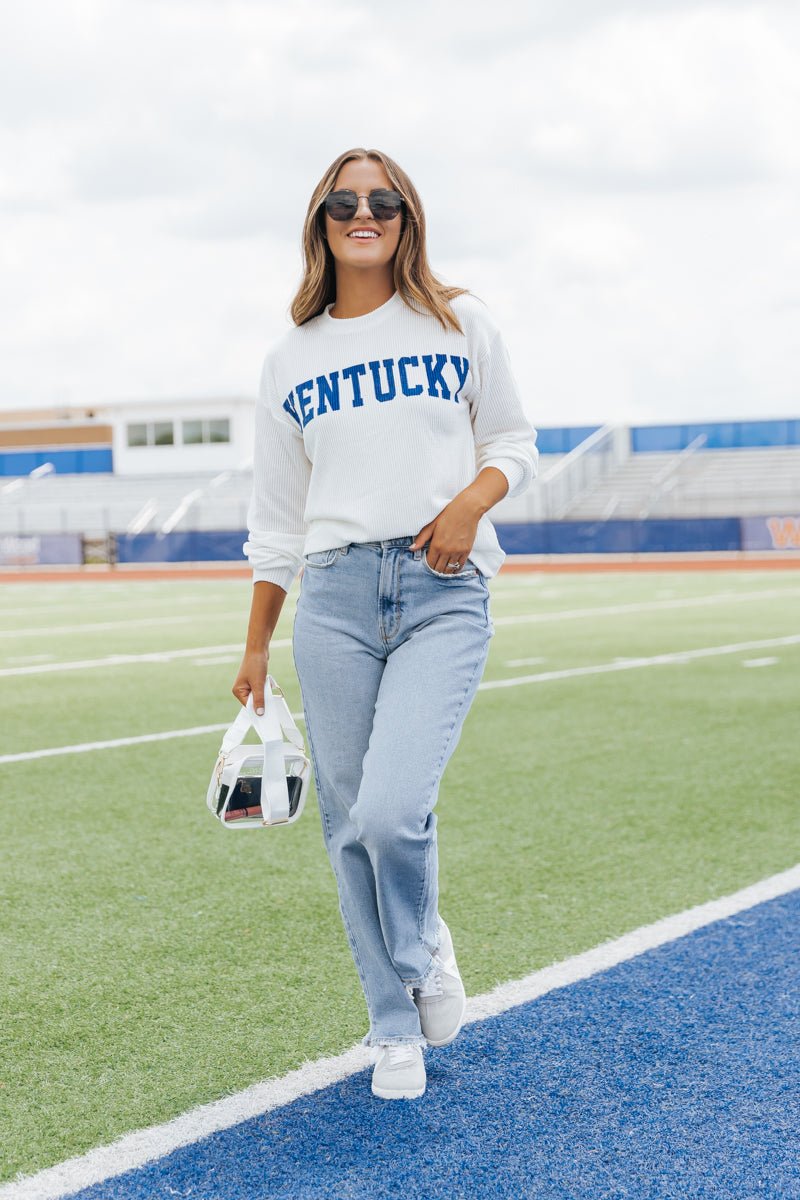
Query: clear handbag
column 255, row 787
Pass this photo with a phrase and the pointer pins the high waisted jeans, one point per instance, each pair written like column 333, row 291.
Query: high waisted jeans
column 389, row 654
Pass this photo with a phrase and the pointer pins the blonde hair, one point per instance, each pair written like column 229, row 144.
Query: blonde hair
column 413, row 277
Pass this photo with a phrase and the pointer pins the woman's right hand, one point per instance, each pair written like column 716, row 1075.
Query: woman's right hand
column 252, row 678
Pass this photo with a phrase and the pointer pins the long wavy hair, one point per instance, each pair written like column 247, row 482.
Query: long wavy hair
column 413, row 277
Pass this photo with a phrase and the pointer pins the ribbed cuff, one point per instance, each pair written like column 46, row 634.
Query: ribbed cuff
column 283, row 576
column 513, row 471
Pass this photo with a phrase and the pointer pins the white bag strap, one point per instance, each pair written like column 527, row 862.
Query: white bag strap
column 287, row 721
column 270, row 726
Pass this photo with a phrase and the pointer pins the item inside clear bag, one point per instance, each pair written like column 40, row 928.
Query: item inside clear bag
column 245, row 799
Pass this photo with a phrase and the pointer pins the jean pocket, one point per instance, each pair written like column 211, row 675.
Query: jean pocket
column 322, row 558
column 470, row 571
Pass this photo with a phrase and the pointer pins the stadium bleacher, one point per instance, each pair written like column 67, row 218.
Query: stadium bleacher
column 597, row 475
column 709, row 483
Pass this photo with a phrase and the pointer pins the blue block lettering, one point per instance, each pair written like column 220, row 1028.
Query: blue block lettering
column 462, row 370
column 328, row 388
column 435, row 377
column 402, row 367
column 288, row 404
column 352, row 373
column 391, row 386
column 304, row 400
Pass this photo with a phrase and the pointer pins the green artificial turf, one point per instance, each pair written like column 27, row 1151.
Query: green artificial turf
column 153, row 960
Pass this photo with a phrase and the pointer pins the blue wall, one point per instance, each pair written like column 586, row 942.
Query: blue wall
column 620, row 537
column 75, row 461
column 546, row 537
column 720, row 435
column 188, row 546
column 562, row 440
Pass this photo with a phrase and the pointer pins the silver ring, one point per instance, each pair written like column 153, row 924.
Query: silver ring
column 455, row 565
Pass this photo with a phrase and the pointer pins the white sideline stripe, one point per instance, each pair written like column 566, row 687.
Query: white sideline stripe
column 146, row 1145
column 625, row 664
column 116, row 660
column 523, row 619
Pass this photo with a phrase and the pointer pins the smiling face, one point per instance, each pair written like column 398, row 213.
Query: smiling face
column 363, row 242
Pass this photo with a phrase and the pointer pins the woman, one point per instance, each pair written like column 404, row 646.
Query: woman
column 388, row 424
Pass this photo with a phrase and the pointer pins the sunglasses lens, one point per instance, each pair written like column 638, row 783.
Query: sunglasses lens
column 341, row 206
column 384, row 204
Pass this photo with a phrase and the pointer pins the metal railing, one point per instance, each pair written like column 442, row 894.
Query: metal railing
column 579, row 472
column 669, row 476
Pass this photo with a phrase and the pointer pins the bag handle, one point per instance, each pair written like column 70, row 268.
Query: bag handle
column 271, row 725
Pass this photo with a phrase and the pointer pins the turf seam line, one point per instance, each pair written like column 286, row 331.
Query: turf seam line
column 147, row 1145
column 628, row 664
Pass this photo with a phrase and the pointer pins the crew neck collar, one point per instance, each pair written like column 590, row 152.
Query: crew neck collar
column 365, row 321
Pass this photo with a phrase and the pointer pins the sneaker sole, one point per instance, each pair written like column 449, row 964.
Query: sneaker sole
column 405, row 1094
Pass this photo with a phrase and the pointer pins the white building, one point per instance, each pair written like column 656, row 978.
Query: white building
column 165, row 437
column 173, row 437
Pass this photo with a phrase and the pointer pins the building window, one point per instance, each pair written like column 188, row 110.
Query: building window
column 137, row 435
column 163, row 433
column 199, row 433
column 192, row 433
column 151, row 433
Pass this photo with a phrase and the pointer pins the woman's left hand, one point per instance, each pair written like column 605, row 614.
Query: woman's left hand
column 451, row 534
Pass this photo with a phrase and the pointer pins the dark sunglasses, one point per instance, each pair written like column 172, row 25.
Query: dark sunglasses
column 384, row 204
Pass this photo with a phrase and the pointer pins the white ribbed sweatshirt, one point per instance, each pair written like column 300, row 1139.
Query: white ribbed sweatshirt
column 367, row 427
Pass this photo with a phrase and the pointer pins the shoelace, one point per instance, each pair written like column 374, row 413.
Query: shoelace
column 400, row 1054
column 432, row 987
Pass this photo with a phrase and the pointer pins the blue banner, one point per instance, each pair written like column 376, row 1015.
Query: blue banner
column 34, row 550
column 771, row 533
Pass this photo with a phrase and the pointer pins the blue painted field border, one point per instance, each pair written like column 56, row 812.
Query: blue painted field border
column 148, row 1145
column 673, row 1075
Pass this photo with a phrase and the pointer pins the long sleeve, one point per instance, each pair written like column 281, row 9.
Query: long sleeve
column 281, row 473
column 504, row 437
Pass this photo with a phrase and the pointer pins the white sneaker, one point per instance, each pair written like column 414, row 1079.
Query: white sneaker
column 399, row 1072
column 442, row 1001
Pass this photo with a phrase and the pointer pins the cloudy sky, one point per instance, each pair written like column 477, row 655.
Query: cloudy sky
column 617, row 179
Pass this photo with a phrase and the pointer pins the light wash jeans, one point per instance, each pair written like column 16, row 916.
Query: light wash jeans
column 389, row 655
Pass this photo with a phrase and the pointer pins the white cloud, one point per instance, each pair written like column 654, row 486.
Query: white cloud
column 619, row 181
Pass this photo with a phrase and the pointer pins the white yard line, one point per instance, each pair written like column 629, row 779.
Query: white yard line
column 85, row 747
column 117, row 660
column 521, row 619
column 625, row 664
column 122, row 623
column 116, row 599
column 607, row 610
column 613, row 610
column 631, row 664
column 146, row 1145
